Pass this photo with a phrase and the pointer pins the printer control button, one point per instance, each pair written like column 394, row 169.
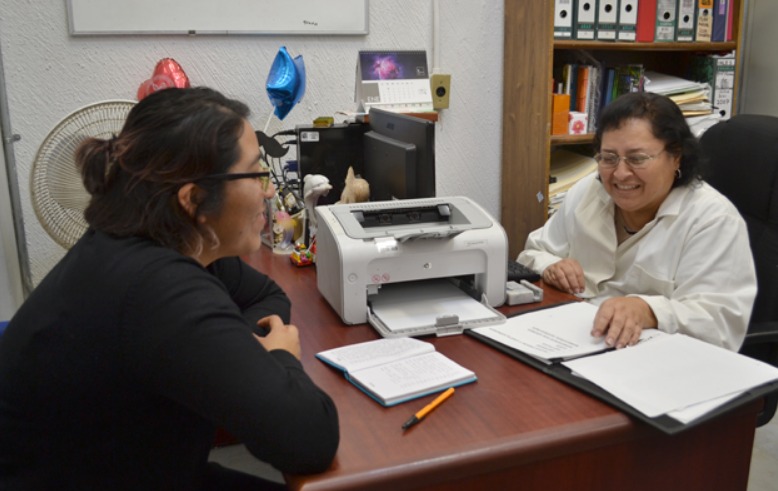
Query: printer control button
column 352, row 278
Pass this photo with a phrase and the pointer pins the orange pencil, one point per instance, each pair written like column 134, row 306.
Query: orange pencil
column 428, row 408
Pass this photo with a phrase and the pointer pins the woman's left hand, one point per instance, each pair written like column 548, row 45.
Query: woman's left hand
column 621, row 320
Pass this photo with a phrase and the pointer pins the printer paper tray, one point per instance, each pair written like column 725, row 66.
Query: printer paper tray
column 427, row 307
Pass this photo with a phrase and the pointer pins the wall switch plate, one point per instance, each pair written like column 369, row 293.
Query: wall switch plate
column 440, row 85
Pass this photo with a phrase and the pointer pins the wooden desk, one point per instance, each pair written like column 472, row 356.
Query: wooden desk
column 515, row 428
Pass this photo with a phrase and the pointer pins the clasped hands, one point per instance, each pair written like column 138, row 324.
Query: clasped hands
column 620, row 319
column 279, row 335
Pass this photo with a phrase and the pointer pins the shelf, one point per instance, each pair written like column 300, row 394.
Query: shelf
column 605, row 45
column 572, row 139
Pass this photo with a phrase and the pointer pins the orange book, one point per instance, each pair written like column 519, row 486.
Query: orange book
column 583, row 88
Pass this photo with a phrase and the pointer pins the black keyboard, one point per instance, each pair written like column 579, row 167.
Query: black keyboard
column 518, row 272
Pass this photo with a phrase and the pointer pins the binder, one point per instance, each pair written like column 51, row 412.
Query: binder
column 686, row 20
column 646, row 25
column 704, row 27
column 666, row 11
column 586, row 19
column 720, row 8
column 563, row 19
column 628, row 20
column 724, row 85
column 663, row 423
column 607, row 20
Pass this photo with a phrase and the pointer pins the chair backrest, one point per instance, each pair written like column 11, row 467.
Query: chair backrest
column 742, row 155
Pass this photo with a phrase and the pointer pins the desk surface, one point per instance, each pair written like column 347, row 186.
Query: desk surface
column 515, row 425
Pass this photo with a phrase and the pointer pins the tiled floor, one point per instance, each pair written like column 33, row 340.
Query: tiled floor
column 764, row 460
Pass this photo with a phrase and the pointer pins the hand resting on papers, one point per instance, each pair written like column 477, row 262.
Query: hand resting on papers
column 620, row 319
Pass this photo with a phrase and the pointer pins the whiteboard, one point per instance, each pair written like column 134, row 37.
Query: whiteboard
column 315, row 17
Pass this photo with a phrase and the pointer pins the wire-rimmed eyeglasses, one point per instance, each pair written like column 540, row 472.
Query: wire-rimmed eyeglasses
column 635, row 161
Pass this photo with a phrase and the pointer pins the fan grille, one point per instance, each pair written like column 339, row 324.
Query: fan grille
column 58, row 194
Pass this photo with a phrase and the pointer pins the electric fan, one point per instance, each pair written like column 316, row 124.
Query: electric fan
column 58, row 194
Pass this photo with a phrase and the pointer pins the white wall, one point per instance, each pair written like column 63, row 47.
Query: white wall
column 50, row 74
column 759, row 92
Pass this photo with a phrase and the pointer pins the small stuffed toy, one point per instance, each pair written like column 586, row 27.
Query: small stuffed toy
column 356, row 190
column 314, row 186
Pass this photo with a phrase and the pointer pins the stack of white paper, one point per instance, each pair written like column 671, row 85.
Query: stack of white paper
column 676, row 375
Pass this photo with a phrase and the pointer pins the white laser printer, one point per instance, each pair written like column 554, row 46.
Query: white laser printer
column 412, row 267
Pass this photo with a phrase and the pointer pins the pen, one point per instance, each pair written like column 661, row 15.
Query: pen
column 428, row 408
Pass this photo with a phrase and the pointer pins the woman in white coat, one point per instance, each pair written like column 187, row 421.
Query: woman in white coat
column 645, row 238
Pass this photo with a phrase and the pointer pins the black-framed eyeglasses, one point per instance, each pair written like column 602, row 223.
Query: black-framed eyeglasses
column 262, row 176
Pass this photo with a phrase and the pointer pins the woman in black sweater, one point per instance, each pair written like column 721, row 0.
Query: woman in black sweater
column 151, row 332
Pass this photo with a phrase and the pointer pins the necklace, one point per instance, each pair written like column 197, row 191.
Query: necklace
column 620, row 221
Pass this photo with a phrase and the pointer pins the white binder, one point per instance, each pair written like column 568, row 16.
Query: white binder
column 607, row 20
column 628, row 19
column 563, row 19
column 686, row 20
column 666, row 14
column 586, row 19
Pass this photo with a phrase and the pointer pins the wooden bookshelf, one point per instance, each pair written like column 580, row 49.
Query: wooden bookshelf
column 529, row 56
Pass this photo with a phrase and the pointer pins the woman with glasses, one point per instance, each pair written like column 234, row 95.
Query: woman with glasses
column 645, row 238
column 151, row 332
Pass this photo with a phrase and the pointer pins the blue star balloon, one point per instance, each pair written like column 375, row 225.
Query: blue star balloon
column 286, row 82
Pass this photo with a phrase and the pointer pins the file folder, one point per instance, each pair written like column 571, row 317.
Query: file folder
column 607, row 20
column 646, row 26
column 586, row 19
column 720, row 9
column 666, row 11
column 704, row 21
column 628, row 21
column 686, row 20
column 563, row 19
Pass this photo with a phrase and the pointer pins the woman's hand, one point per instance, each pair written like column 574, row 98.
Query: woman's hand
column 279, row 336
column 566, row 275
column 621, row 320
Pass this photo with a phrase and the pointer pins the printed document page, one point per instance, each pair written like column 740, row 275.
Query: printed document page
column 673, row 372
column 556, row 333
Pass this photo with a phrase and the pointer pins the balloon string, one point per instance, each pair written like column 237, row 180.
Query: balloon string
column 267, row 124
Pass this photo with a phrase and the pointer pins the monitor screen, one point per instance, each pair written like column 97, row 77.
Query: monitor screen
column 395, row 133
column 391, row 173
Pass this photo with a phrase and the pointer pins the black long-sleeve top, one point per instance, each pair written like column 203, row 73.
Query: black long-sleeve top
column 117, row 369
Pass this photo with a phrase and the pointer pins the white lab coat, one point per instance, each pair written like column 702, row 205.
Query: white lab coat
column 692, row 263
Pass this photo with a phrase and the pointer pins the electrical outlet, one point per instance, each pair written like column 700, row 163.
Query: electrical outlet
column 440, row 85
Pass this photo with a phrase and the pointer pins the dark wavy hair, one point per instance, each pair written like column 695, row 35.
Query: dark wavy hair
column 667, row 124
column 171, row 137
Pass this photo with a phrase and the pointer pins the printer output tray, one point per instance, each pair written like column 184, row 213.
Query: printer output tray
column 423, row 308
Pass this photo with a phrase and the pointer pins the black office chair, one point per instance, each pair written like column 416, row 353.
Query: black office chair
column 742, row 155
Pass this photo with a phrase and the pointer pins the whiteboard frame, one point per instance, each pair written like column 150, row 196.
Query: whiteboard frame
column 194, row 17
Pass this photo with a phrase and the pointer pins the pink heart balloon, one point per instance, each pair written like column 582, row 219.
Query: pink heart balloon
column 171, row 68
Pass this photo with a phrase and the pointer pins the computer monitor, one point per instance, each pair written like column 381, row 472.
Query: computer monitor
column 399, row 156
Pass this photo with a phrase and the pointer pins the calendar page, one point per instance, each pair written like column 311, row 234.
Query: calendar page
column 393, row 80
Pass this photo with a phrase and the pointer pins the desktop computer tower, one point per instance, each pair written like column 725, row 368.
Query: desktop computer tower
column 330, row 151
